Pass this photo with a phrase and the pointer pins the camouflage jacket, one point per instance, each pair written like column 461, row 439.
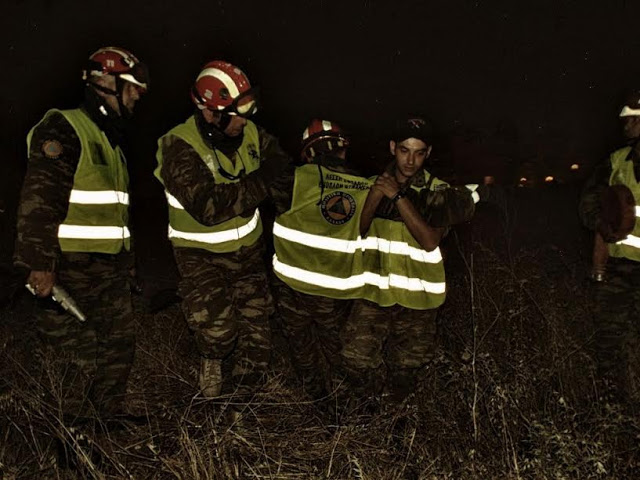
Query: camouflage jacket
column 189, row 180
column 53, row 158
column 590, row 200
column 440, row 208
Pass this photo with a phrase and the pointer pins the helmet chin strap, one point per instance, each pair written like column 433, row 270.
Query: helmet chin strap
column 225, row 120
column 124, row 111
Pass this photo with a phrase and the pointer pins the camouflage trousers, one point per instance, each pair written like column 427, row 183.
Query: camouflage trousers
column 95, row 356
column 227, row 303
column 312, row 326
column 617, row 318
column 392, row 342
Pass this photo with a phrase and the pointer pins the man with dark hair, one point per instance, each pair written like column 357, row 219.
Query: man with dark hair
column 73, row 227
column 407, row 212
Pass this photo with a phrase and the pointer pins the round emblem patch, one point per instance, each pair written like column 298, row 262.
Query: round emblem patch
column 52, row 148
column 338, row 208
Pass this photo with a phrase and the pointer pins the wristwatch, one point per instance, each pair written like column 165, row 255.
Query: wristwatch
column 398, row 196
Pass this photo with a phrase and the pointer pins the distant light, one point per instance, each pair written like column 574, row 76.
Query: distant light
column 523, row 180
column 548, row 179
column 575, row 166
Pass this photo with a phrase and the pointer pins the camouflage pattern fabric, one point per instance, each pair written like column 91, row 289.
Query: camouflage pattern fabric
column 227, row 304
column 189, row 180
column 617, row 318
column 443, row 207
column 590, row 207
column 617, row 310
column 102, row 348
column 312, row 326
column 398, row 338
column 44, row 201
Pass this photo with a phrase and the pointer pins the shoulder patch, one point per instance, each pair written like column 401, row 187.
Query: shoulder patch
column 52, row 148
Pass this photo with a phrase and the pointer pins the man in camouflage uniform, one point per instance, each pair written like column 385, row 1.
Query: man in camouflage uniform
column 617, row 287
column 216, row 169
column 312, row 322
column 72, row 228
column 392, row 332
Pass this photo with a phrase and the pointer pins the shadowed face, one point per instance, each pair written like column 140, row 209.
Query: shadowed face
column 130, row 93
column 235, row 127
column 631, row 127
column 410, row 155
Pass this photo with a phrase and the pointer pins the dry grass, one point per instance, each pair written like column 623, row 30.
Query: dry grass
column 510, row 395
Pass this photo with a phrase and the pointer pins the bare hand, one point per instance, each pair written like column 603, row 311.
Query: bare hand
column 42, row 282
column 387, row 184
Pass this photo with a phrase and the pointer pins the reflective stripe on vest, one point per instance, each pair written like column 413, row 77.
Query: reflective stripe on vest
column 213, row 238
column 622, row 173
column 631, row 240
column 100, row 197
column 97, row 215
column 472, row 187
column 351, row 246
column 92, row 233
column 228, row 235
column 358, row 281
column 173, row 201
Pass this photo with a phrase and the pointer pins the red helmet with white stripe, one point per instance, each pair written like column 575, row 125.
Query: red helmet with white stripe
column 222, row 87
column 117, row 62
column 322, row 136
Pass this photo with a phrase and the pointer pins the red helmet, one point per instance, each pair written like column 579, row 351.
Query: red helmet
column 322, row 136
column 223, row 87
column 119, row 63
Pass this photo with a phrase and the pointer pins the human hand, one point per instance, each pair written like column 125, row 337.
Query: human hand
column 387, row 185
column 42, row 282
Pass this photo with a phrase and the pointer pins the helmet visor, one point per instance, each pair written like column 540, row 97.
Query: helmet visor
column 244, row 105
column 138, row 75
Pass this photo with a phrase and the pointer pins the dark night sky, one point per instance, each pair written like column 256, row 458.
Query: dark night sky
column 550, row 69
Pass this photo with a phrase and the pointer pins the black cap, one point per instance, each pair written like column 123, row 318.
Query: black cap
column 413, row 127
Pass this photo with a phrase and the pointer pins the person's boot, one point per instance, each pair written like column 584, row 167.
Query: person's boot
column 210, row 377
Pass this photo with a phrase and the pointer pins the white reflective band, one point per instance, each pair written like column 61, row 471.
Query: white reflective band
column 629, row 112
column 475, row 195
column 218, row 237
column 357, row 281
column 93, row 233
column 99, row 197
column 326, row 125
column 350, row 246
column 173, row 201
column 223, row 77
column 637, row 211
column 631, row 241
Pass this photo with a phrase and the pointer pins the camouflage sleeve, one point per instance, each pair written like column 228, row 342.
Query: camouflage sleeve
column 445, row 207
column 439, row 208
column 589, row 207
column 277, row 170
column 53, row 158
column 188, row 179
